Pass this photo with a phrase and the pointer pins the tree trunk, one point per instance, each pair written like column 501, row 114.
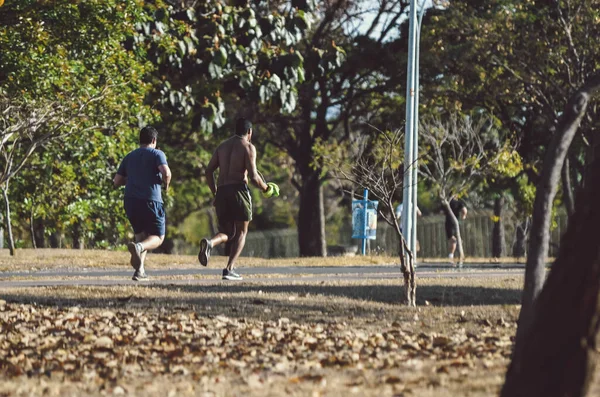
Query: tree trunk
column 11, row 240
column 539, row 238
column 459, row 244
column 311, row 217
column 39, row 234
column 32, row 228
column 559, row 355
column 519, row 249
column 407, row 267
column 498, row 240
column 78, row 240
column 567, row 188
column 54, row 240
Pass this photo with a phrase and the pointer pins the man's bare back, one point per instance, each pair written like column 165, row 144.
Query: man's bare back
column 233, row 157
column 236, row 160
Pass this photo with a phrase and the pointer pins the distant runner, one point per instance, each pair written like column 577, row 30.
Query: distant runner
column 236, row 160
column 142, row 171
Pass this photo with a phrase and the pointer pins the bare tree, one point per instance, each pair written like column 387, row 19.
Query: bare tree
column 377, row 166
column 458, row 153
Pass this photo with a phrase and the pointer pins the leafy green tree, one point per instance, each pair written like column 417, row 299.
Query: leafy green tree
column 520, row 61
column 64, row 72
column 208, row 57
column 76, row 197
column 342, row 89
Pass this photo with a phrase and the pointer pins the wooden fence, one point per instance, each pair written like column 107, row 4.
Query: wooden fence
column 476, row 232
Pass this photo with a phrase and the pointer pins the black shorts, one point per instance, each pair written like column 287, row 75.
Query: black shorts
column 450, row 229
column 233, row 203
column 145, row 216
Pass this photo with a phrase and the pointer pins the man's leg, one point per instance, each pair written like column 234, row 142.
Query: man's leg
column 149, row 242
column 150, row 219
column 143, row 243
column 139, row 237
column 237, row 245
column 226, row 233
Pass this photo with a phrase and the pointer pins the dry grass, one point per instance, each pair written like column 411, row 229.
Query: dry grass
column 32, row 260
column 507, row 260
column 473, row 317
column 40, row 259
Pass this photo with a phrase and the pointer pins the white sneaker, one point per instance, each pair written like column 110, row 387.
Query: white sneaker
column 140, row 275
column 205, row 249
column 231, row 275
column 135, row 249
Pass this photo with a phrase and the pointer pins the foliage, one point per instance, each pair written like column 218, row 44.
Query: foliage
column 462, row 152
column 376, row 164
column 520, row 61
column 210, row 57
column 101, row 59
column 209, row 47
column 77, row 192
column 68, row 86
column 343, row 89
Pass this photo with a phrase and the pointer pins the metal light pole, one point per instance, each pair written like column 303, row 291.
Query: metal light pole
column 413, row 239
column 409, row 216
column 408, row 209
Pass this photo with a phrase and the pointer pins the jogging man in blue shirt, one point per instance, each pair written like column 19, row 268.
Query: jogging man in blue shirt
column 142, row 171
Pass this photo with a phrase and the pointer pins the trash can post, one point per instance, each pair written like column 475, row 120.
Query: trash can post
column 365, row 215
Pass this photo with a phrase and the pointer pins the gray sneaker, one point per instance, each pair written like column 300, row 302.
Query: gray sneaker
column 140, row 275
column 231, row 275
column 135, row 249
column 204, row 254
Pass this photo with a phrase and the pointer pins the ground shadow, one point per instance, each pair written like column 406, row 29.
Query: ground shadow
column 435, row 295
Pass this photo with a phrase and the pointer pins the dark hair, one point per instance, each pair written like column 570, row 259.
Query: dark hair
column 242, row 126
column 147, row 134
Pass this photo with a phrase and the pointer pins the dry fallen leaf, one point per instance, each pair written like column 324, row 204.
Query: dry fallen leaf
column 103, row 342
column 393, row 380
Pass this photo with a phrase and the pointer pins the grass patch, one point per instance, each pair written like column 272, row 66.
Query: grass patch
column 40, row 259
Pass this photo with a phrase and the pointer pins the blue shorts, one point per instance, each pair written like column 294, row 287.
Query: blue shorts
column 145, row 216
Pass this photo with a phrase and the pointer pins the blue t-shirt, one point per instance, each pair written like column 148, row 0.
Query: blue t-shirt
column 143, row 177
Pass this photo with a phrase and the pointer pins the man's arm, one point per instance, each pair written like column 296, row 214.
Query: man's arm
column 212, row 166
column 166, row 175
column 463, row 213
column 119, row 180
column 253, row 175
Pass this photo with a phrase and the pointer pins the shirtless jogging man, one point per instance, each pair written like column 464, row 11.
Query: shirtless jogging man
column 142, row 171
column 236, row 160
